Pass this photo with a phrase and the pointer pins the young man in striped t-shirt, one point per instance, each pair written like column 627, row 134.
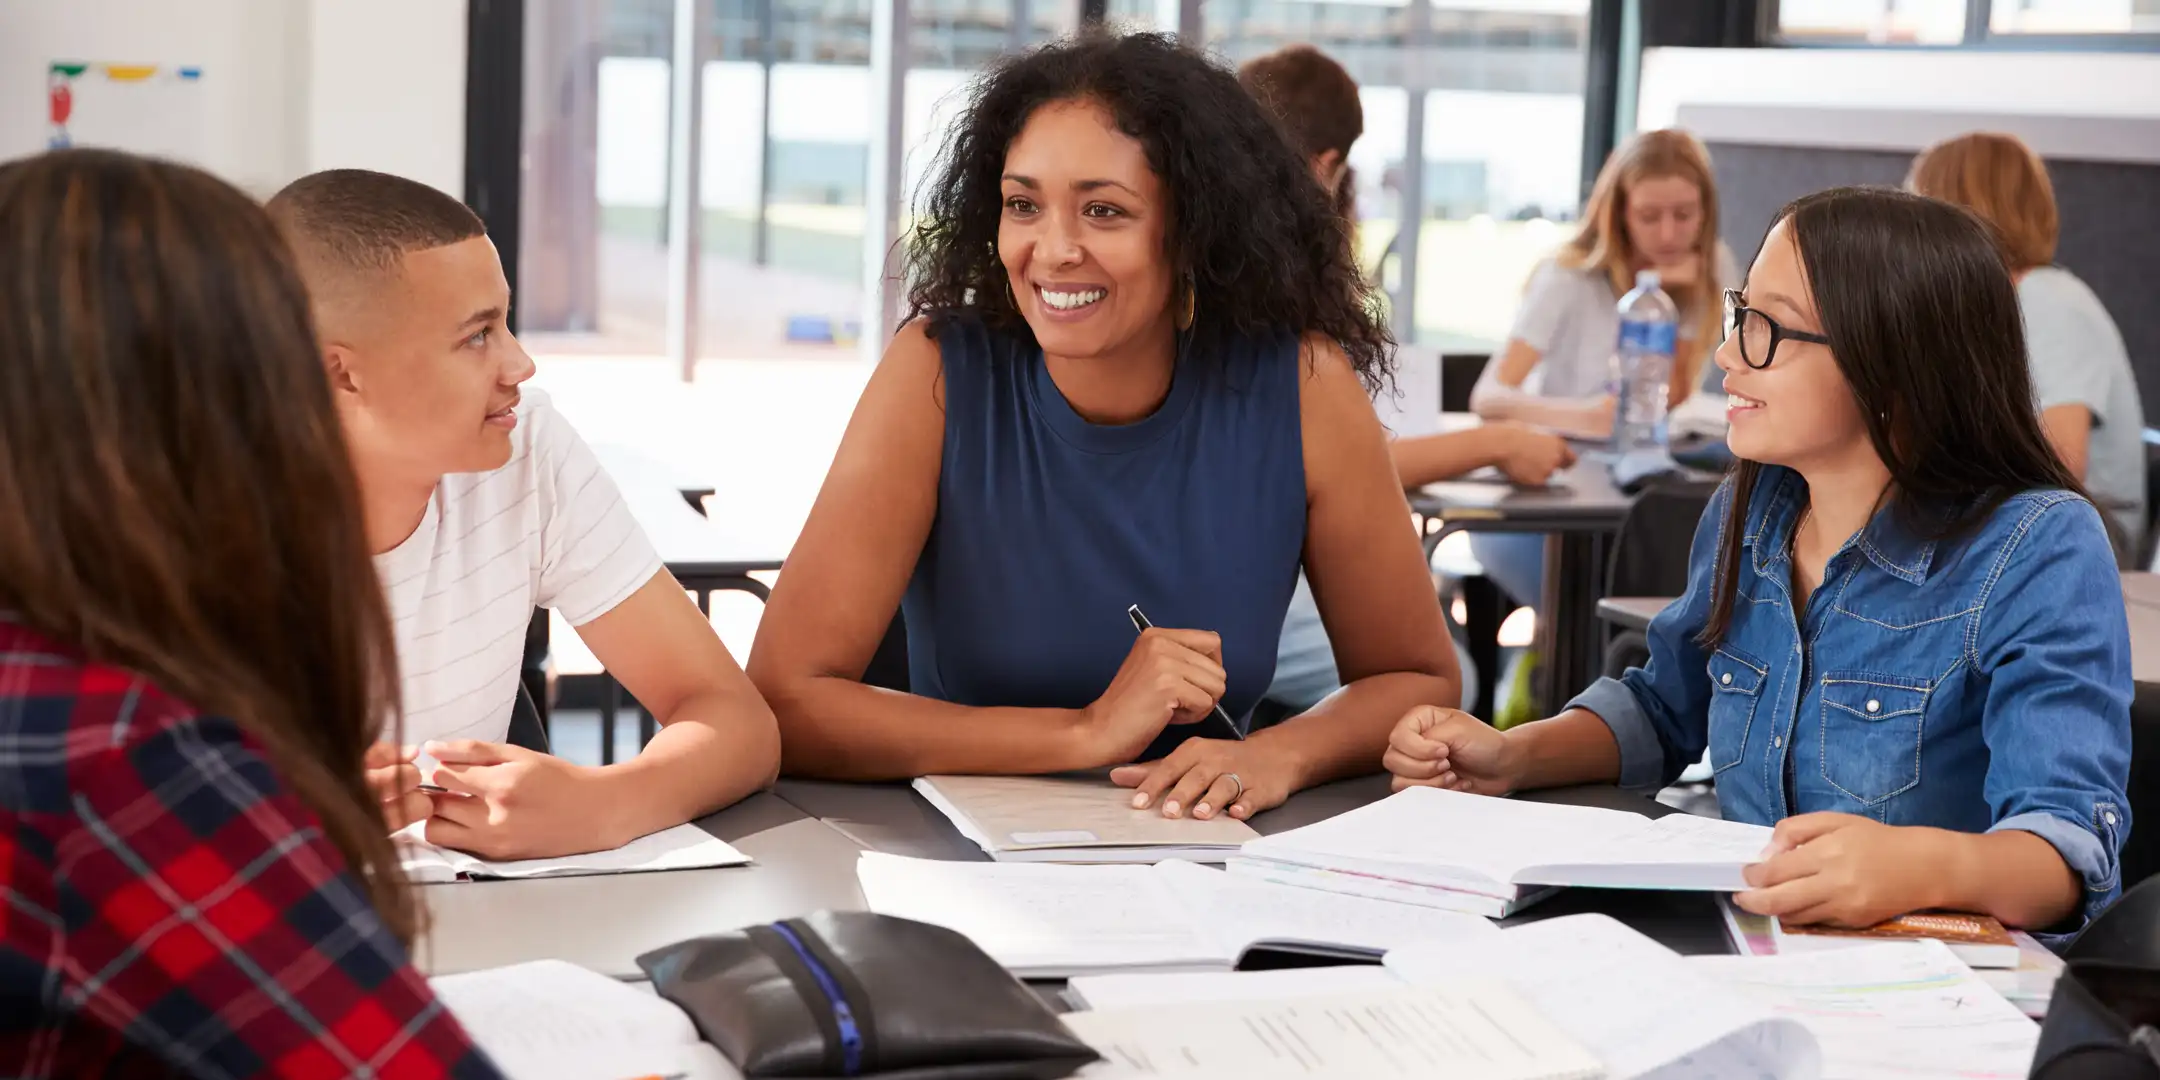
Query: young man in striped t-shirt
column 482, row 504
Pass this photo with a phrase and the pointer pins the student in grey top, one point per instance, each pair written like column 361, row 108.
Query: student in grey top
column 2087, row 394
column 1654, row 206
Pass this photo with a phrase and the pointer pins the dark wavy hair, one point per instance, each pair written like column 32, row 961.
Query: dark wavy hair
column 1265, row 250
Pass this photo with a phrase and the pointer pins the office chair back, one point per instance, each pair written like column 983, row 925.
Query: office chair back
column 526, row 728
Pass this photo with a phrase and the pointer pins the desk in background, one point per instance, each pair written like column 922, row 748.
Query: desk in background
column 1578, row 513
column 704, row 555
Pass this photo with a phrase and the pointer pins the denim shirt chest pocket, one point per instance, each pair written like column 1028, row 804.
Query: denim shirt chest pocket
column 1872, row 726
column 1737, row 682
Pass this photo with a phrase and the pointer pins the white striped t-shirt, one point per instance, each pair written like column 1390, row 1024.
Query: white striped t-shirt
column 548, row 529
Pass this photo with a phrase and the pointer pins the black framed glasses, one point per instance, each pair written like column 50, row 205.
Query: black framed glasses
column 1759, row 333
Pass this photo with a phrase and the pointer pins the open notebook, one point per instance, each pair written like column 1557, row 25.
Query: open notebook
column 1490, row 856
column 551, row 1020
column 684, row 847
column 1043, row 921
column 1073, row 819
column 1468, row 1030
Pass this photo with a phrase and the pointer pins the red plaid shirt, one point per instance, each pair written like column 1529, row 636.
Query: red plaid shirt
column 167, row 907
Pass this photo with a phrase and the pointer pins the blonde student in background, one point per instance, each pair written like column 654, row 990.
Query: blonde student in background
column 1654, row 207
column 1316, row 101
column 482, row 503
column 1903, row 640
column 2081, row 371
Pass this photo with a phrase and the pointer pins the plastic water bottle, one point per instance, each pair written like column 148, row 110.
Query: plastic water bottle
column 1642, row 366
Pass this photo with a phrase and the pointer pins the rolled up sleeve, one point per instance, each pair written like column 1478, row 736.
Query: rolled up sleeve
column 2054, row 644
column 1659, row 713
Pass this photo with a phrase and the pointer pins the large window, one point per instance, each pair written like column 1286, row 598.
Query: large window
column 1500, row 85
column 1952, row 22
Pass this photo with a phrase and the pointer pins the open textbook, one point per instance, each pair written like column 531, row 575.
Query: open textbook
column 1046, row 921
column 684, row 847
column 1491, row 855
column 1084, row 819
column 1467, row 1030
column 551, row 1020
column 1892, row 1010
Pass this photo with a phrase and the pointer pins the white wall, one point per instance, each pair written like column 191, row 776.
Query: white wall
column 288, row 86
column 386, row 89
column 2046, row 83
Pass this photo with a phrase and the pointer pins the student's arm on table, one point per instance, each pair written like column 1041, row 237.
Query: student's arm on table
column 1499, row 396
column 717, row 743
column 1528, row 456
column 1376, row 599
column 844, row 582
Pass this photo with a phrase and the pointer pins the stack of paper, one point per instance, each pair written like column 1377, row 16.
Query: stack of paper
column 1468, row 1030
column 1633, row 1002
column 1074, row 819
column 1490, row 856
column 548, row 1020
column 684, row 847
column 1045, row 921
column 1980, row 941
column 1889, row 1010
column 2029, row 984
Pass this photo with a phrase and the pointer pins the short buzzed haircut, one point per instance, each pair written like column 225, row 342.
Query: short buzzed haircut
column 355, row 219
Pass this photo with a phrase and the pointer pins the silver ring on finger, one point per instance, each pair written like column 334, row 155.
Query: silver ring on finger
column 1233, row 778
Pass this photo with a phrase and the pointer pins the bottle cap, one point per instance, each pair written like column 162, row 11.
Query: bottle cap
column 1646, row 279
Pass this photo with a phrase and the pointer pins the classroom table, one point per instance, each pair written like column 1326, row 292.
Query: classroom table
column 2141, row 601
column 891, row 818
column 604, row 922
column 1578, row 513
column 805, row 838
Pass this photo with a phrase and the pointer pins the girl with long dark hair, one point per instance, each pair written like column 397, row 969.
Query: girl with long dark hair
column 1903, row 639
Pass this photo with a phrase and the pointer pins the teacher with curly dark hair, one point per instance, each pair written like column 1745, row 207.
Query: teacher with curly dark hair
column 1135, row 373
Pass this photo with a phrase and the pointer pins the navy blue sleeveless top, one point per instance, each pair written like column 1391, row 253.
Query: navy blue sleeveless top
column 1048, row 526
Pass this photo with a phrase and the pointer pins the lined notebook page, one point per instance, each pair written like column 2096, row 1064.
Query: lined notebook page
column 550, row 1020
column 1467, row 1031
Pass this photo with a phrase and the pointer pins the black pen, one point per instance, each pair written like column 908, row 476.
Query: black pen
column 1140, row 624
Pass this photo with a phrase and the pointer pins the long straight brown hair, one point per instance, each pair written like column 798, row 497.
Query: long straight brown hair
column 175, row 496
column 1923, row 324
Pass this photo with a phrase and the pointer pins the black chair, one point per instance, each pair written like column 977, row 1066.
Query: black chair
column 2141, row 851
column 2127, row 932
column 1650, row 556
column 2148, row 543
column 526, row 727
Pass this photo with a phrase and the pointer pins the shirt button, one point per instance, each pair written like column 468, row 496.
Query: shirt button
column 1726, row 678
column 1874, row 706
column 2109, row 817
column 1777, row 742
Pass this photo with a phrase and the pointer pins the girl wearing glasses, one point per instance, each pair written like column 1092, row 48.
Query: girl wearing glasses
column 1903, row 640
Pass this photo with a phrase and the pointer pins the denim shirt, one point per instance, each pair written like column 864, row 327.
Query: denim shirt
column 1978, row 684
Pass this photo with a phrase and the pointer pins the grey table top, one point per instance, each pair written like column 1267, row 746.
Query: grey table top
column 604, row 922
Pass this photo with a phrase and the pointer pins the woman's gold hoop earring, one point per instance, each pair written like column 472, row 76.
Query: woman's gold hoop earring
column 1192, row 303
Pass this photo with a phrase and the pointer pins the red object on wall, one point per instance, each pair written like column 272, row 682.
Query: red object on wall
column 63, row 101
